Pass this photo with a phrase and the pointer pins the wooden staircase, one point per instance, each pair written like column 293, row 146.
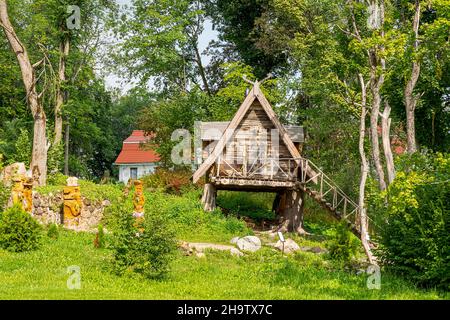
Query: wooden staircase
column 314, row 182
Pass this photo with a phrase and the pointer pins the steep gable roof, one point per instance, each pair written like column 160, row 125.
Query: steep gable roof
column 254, row 94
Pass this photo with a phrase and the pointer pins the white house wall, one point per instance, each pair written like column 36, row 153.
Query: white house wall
column 142, row 170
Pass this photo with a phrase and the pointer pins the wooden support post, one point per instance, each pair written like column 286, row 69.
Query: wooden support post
column 244, row 162
column 209, row 197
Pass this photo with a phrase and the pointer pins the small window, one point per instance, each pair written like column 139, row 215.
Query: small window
column 133, row 173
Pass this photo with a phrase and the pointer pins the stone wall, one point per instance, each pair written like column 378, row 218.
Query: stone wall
column 49, row 209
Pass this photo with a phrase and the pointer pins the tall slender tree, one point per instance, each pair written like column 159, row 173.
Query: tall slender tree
column 40, row 145
column 411, row 99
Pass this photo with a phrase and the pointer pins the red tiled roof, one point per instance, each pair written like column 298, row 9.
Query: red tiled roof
column 132, row 151
column 139, row 136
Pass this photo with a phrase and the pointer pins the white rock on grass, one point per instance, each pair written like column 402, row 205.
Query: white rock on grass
column 200, row 248
column 289, row 246
column 234, row 240
column 249, row 243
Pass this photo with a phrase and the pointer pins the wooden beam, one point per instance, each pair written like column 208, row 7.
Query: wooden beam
column 253, row 182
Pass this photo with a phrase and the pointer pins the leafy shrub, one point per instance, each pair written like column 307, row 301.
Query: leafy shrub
column 18, row 230
column 5, row 193
column 57, row 179
column 415, row 238
column 170, row 181
column 145, row 249
column 53, row 231
column 23, row 147
column 343, row 245
column 55, row 161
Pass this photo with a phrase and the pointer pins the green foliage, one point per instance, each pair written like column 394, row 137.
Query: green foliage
column 343, row 245
column 159, row 42
column 23, row 148
column 5, row 194
column 53, row 231
column 237, row 23
column 169, row 181
column 55, row 158
column 57, row 179
column 257, row 206
column 163, row 117
column 15, row 142
column 100, row 241
column 146, row 248
column 415, row 238
column 18, row 230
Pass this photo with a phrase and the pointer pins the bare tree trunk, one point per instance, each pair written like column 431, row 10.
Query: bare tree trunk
column 291, row 212
column 39, row 159
column 375, row 84
column 64, row 52
column 385, row 129
column 202, row 70
column 209, row 197
column 364, row 173
column 39, row 155
column 411, row 99
column 66, row 150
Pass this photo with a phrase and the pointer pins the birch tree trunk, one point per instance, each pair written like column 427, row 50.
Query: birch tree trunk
column 385, row 134
column 39, row 154
column 411, row 99
column 364, row 173
column 64, row 52
column 376, row 82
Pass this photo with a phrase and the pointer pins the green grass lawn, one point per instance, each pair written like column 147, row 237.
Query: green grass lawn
column 42, row 274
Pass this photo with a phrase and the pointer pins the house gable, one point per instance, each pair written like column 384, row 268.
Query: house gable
column 255, row 113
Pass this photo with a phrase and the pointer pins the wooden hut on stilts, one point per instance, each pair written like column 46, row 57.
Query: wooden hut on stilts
column 255, row 152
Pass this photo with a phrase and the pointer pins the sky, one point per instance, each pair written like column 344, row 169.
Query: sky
column 115, row 81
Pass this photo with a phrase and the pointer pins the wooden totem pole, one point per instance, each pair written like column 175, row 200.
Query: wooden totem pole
column 72, row 201
column 138, row 204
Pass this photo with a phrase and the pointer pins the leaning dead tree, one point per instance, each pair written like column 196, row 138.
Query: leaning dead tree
column 39, row 153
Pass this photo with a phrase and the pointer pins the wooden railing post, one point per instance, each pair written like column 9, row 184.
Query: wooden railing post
column 345, row 206
column 321, row 184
